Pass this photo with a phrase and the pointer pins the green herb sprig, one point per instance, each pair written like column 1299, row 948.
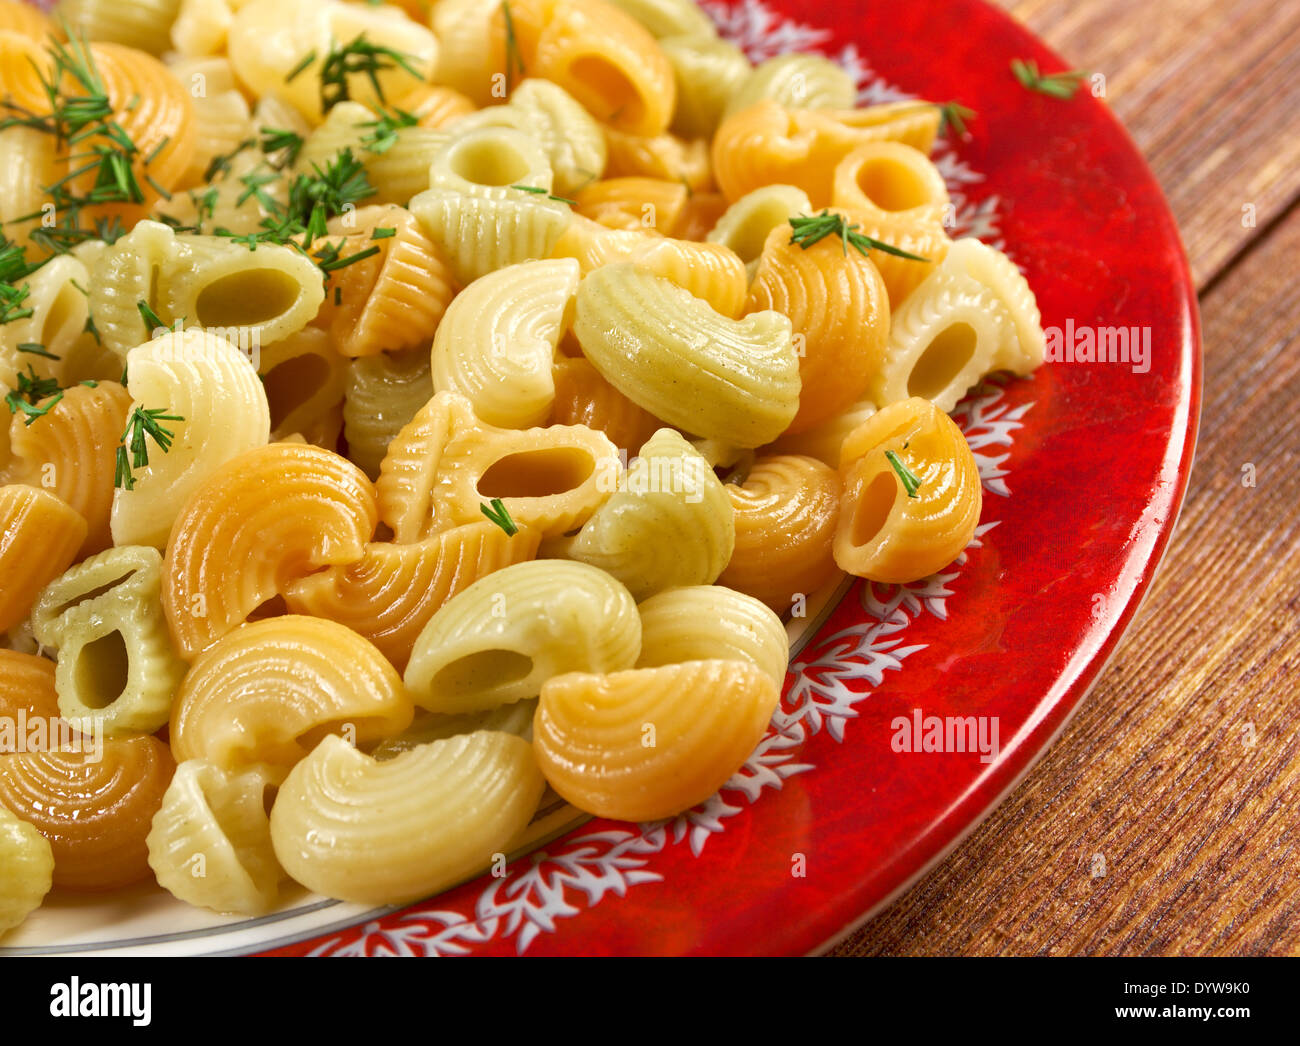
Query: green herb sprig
column 806, row 231
column 542, row 192
column 382, row 135
column 1055, row 85
column 26, row 399
column 143, row 424
column 911, row 482
column 953, row 116
column 499, row 515
column 358, row 56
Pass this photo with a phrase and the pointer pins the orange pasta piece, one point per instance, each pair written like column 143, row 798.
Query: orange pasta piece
column 39, row 538
column 262, row 520
column 435, row 105
column 769, row 143
column 786, row 514
column 71, row 451
column 392, row 591
column 25, row 19
column 838, row 306
column 584, row 397
column 702, row 213
column 95, row 814
column 27, row 685
column 923, row 238
column 662, row 156
column 891, row 180
column 641, row 204
column 391, row 300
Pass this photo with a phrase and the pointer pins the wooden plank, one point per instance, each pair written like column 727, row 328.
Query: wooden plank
column 1209, row 90
column 1182, row 769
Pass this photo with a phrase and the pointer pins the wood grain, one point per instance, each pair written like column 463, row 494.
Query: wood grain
column 1209, row 90
column 1164, row 819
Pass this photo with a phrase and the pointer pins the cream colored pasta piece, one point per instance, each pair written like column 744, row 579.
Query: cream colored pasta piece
column 472, row 210
column 824, row 442
column 392, row 591
column 709, row 72
column 142, row 24
column 573, row 141
column 709, row 622
column 250, row 297
column 801, row 81
column 886, row 534
column 550, row 478
column 787, row 510
column 201, row 378
column 890, row 179
column 259, row 522
column 28, row 862
column 499, row 640
column 269, row 39
column 30, row 163
column 383, row 394
column 222, row 117
column 734, row 380
column 516, row 719
column 210, row 841
column 497, row 343
column 389, row 832
column 116, row 664
column 93, row 805
column 71, row 451
column 465, row 57
column 39, row 536
column 304, row 379
column 410, row 467
column 124, row 275
column 269, row 691
column 999, row 274
column 669, row 18
column 946, row 336
column 392, row 300
column 669, row 524
column 746, row 224
column 649, row 743
column 201, row 26
column 56, row 297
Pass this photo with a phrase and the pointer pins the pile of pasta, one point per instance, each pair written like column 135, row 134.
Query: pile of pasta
column 494, row 486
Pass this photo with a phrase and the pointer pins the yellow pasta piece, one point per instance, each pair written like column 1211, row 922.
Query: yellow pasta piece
column 550, row 478
column 259, row 522
column 269, row 691
column 497, row 342
column 466, row 58
column 747, row 223
column 382, row 394
column 435, row 105
column 787, row 510
column 516, row 719
column 884, row 533
column 93, row 807
column 902, row 276
column 28, row 862
column 392, row 591
column 210, row 843
column 392, row 300
column 223, row 120
column 71, row 451
column 838, row 306
column 410, row 467
column 668, row 524
column 800, row 81
column 662, row 156
column 639, row 204
column 499, row 640
column 116, row 665
column 769, row 142
column 708, row 72
column 891, row 180
column 390, row 832
column 141, row 24
column 304, row 379
column 23, row 62
column 674, row 355
column 824, row 442
column 669, row 18
column 31, row 163
column 583, row 397
column 39, row 536
column 710, row 622
column 17, row 16
column 649, row 743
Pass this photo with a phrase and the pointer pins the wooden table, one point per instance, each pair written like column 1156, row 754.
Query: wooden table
column 1182, row 767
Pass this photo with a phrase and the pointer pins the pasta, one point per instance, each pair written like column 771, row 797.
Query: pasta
column 497, row 342
column 891, row 180
column 886, row 532
column 116, row 667
column 583, row 397
column 672, row 354
column 268, row 692
column 644, row 744
column 141, row 24
column 709, row 73
column 801, row 81
column 499, row 640
column 382, row 395
column 39, row 536
column 685, row 624
column 28, row 862
column 305, row 381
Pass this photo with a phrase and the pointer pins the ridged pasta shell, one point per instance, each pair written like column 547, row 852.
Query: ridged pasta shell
column 504, row 636
column 886, row 535
column 583, row 397
column 256, row 524
column 383, row 394
column 392, row 591
column 305, row 380
column 893, row 181
column 710, row 622
column 26, row 685
column 39, row 536
column 267, row 692
column 389, row 832
column 515, row 718
column 649, row 743
column 28, row 862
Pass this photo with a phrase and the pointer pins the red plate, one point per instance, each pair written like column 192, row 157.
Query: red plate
column 1086, row 465
column 1096, row 462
